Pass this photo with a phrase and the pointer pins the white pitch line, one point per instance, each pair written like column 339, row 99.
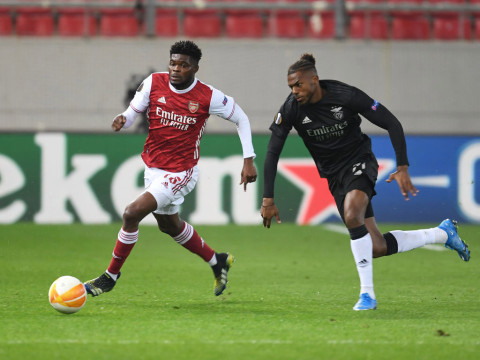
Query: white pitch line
column 435, row 247
column 336, row 228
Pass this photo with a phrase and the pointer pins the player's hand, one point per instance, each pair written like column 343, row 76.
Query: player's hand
column 402, row 177
column 249, row 173
column 118, row 122
column 268, row 211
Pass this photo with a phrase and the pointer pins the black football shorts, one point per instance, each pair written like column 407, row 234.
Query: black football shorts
column 361, row 174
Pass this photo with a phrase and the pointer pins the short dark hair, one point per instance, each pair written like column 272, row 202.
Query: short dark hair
column 187, row 47
column 306, row 63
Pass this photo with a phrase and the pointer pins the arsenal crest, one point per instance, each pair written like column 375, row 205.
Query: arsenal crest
column 193, row 106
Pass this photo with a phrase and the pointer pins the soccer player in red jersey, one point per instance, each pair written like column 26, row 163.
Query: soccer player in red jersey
column 178, row 106
column 325, row 113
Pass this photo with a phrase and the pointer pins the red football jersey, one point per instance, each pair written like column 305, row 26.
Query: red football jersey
column 177, row 120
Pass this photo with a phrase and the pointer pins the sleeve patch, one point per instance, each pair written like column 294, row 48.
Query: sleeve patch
column 225, row 100
column 375, row 105
column 140, row 87
column 278, row 119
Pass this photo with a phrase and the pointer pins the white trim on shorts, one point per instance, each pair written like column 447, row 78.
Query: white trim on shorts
column 169, row 189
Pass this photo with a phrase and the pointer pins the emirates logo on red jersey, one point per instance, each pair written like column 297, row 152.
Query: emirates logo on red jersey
column 193, row 106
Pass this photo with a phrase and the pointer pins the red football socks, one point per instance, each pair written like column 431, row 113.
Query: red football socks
column 124, row 245
column 190, row 240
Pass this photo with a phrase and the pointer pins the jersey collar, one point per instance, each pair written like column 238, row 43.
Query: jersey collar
column 184, row 90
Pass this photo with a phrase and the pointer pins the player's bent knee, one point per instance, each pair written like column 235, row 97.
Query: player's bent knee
column 131, row 214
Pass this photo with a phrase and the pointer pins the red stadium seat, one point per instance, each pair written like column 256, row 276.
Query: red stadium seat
column 118, row 22
column 371, row 25
column 5, row 22
column 477, row 28
column 34, row 22
column 202, row 25
column 409, row 25
column 476, row 20
column 448, row 25
column 322, row 25
column 244, row 25
column 451, row 28
column 286, row 25
column 76, row 22
column 166, row 22
column 201, row 22
column 405, row 27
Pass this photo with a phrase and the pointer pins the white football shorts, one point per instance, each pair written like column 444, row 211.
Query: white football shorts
column 169, row 189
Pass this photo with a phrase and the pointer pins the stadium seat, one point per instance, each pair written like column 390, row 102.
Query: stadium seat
column 374, row 26
column 5, row 22
column 286, row 26
column 477, row 28
column 409, row 25
column 447, row 25
column 34, row 22
column 321, row 25
column 244, row 25
column 286, row 23
column 166, row 22
column 201, row 22
column 371, row 25
column 451, row 28
column 406, row 27
column 76, row 22
column 202, row 25
column 476, row 20
column 118, row 22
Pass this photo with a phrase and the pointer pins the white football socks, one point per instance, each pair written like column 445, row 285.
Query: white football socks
column 113, row 276
column 362, row 253
column 409, row 240
column 213, row 260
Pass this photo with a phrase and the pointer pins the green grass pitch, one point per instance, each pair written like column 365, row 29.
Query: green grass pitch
column 290, row 296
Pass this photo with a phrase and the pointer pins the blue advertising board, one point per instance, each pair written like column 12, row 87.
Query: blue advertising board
column 445, row 170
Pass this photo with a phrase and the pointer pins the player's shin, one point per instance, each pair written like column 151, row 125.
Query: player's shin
column 362, row 247
column 190, row 240
column 125, row 243
column 408, row 240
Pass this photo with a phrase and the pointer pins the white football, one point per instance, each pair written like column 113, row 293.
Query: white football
column 67, row 294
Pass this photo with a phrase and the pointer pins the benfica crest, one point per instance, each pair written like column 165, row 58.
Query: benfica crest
column 193, row 106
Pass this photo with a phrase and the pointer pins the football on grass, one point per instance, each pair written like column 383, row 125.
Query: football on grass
column 67, row 294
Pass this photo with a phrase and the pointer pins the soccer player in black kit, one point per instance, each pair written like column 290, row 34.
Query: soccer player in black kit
column 325, row 113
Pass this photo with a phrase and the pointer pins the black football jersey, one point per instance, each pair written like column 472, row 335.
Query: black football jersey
column 329, row 128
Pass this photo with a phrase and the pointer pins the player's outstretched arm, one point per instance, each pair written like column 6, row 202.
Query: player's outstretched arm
column 249, row 173
column 118, row 122
column 403, row 180
column 268, row 211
